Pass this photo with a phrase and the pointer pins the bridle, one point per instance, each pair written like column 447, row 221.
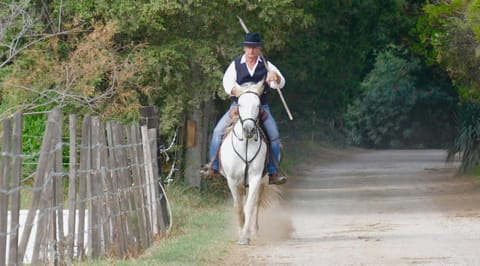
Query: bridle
column 253, row 119
column 241, row 139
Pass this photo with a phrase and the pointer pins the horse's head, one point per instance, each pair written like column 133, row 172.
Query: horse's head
column 249, row 109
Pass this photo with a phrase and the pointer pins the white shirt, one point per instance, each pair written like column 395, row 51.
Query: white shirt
column 230, row 76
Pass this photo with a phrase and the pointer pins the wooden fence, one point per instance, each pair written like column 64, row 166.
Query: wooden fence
column 98, row 197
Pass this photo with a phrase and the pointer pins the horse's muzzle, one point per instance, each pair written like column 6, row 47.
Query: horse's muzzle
column 249, row 130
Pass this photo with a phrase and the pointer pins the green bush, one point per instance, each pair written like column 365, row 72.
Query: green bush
column 399, row 107
column 468, row 134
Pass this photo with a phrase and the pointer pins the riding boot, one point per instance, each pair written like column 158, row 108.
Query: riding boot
column 209, row 172
column 277, row 179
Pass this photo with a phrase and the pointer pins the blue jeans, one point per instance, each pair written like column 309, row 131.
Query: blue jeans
column 271, row 130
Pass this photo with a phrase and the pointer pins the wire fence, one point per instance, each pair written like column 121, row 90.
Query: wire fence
column 92, row 190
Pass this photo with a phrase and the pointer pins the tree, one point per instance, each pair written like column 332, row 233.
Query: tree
column 327, row 62
column 399, row 108
column 449, row 36
column 20, row 28
column 179, row 47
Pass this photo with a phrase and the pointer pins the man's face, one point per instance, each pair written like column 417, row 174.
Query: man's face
column 252, row 52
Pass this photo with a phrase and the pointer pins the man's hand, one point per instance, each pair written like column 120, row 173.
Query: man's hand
column 272, row 76
column 235, row 91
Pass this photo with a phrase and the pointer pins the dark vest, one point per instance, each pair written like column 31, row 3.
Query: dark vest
column 243, row 76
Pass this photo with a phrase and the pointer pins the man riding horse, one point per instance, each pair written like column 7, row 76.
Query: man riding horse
column 250, row 68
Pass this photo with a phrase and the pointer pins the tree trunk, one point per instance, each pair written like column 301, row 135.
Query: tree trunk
column 197, row 140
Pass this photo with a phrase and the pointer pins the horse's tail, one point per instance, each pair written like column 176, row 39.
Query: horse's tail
column 270, row 195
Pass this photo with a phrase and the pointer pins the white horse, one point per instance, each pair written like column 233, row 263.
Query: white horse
column 242, row 155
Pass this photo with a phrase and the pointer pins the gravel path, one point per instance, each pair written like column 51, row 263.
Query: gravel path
column 396, row 207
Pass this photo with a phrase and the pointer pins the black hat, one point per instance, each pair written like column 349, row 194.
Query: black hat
column 252, row 39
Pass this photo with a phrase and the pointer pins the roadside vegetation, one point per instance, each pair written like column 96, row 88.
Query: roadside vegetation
column 202, row 232
column 374, row 74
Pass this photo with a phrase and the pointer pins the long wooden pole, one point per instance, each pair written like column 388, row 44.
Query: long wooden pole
column 268, row 69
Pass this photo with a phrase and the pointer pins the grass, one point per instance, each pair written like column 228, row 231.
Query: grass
column 201, row 235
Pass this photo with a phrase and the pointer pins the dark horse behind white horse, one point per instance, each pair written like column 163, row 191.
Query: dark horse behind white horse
column 243, row 155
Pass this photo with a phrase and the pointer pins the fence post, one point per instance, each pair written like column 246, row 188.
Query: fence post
column 149, row 116
column 102, row 164
column 58, row 232
column 85, row 166
column 45, row 201
column 94, row 230
column 40, row 173
column 121, row 183
column 118, row 232
column 15, row 185
column 138, row 162
column 4, row 190
column 69, row 243
column 157, row 182
column 147, row 155
column 103, row 225
column 138, row 191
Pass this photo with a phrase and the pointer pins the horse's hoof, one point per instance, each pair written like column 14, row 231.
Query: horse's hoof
column 244, row 241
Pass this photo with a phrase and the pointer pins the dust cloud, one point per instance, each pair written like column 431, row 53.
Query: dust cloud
column 275, row 223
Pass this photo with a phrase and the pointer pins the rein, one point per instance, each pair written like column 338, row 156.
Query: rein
column 257, row 133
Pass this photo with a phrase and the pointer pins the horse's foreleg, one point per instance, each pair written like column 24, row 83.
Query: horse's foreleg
column 249, row 211
column 239, row 209
column 238, row 197
column 256, row 211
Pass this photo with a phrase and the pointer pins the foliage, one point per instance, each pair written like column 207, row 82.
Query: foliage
column 389, row 113
column 377, row 118
column 325, row 64
column 121, row 55
column 32, row 135
column 92, row 76
column 468, row 134
column 18, row 29
column 449, row 35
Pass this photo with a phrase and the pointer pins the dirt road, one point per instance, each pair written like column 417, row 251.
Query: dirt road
column 403, row 207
